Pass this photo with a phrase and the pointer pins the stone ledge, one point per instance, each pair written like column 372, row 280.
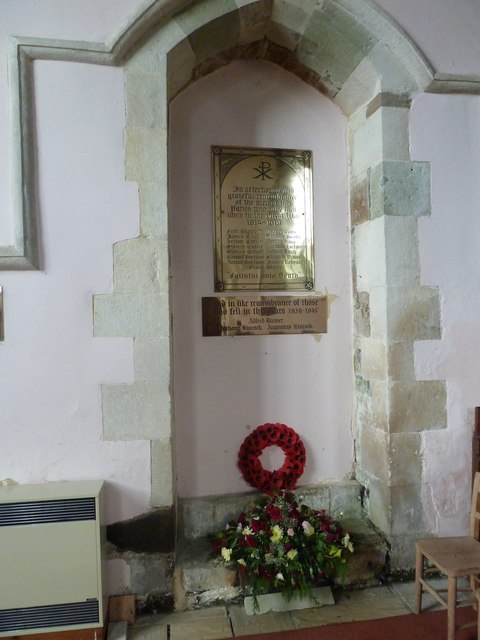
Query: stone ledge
column 200, row 582
column 199, row 517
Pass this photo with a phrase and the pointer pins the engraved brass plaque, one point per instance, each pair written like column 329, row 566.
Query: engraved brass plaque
column 264, row 315
column 2, row 333
column 263, row 219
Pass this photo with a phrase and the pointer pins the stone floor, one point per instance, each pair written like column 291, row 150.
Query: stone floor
column 229, row 621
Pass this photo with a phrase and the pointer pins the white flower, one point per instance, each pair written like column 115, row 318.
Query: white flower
column 308, row 529
column 226, row 554
column 347, row 542
column 242, row 562
column 279, row 576
column 290, row 532
column 247, row 531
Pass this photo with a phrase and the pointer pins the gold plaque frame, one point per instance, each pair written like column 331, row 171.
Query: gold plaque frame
column 263, row 231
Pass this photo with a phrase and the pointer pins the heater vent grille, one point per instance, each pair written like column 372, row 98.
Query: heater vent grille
column 55, row 615
column 47, row 511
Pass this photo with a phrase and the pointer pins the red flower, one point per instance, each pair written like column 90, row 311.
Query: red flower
column 274, row 513
column 251, row 541
column 258, row 525
column 264, row 436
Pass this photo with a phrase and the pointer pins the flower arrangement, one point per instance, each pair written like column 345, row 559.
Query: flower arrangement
column 279, row 545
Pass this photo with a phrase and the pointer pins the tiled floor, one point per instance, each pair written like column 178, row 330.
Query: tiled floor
column 230, row 621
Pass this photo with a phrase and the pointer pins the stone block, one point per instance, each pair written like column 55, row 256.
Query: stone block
column 288, row 21
column 141, row 265
column 220, row 34
column 379, row 509
column 402, row 552
column 145, row 154
column 146, row 98
column 345, row 500
column 405, row 459
column 149, row 572
column 401, row 251
column 358, row 88
column 153, row 200
column 418, row 406
column 365, row 142
column 379, row 394
column 334, row 43
column 413, row 313
column 254, row 21
column 400, row 359
column 181, row 62
column 318, row 497
column 395, row 133
column 280, row 35
column 399, row 189
column 140, row 411
column 406, row 509
column 202, row 516
column 127, row 314
column 374, row 360
column 378, row 312
column 191, row 18
column 148, row 58
column 374, row 447
column 393, row 75
column 161, row 473
column 370, row 255
column 361, row 314
column 152, row 360
column 359, row 206
column 387, row 99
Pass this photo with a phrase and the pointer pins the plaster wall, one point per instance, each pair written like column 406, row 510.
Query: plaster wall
column 225, row 387
column 449, row 257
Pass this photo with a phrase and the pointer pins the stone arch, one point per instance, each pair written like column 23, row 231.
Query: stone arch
column 355, row 54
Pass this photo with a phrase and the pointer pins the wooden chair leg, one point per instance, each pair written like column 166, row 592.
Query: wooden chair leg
column 452, row 607
column 477, row 595
column 418, row 584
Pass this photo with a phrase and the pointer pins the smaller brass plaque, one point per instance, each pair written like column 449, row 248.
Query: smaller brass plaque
column 2, row 334
column 264, row 315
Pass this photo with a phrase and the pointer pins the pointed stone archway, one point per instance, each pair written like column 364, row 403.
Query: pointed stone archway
column 352, row 52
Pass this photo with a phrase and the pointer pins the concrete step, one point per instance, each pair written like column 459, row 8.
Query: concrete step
column 200, row 582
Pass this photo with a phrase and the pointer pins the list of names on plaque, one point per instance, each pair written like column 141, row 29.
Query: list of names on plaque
column 263, row 219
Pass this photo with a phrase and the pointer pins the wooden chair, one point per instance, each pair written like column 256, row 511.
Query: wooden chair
column 454, row 557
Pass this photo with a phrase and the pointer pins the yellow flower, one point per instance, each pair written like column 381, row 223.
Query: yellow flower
column 333, row 552
column 242, row 562
column 247, row 531
column 226, row 554
column 292, row 554
column 277, row 533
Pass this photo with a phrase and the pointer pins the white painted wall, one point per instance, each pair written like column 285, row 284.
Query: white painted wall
column 51, row 366
column 225, row 387
column 446, row 131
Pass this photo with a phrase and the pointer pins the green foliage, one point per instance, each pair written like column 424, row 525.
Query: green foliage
column 279, row 545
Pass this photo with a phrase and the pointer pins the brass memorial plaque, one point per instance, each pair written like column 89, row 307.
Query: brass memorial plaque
column 263, row 219
column 264, row 315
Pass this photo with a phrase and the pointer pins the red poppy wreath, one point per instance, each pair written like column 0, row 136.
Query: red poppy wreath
column 268, row 435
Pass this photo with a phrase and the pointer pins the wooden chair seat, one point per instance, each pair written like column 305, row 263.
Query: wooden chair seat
column 454, row 557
